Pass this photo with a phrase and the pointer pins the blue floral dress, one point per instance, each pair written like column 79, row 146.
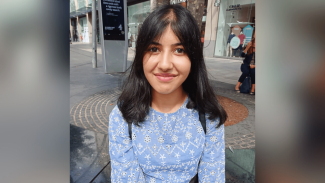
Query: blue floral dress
column 166, row 147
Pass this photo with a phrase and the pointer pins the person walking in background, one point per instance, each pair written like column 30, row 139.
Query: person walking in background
column 156, row 130
column 248, row 66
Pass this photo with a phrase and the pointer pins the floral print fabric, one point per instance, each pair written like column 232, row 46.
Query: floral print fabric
column 166, row 148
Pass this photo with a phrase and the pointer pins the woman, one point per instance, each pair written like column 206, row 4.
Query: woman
column 248, row 66
column 166, row 88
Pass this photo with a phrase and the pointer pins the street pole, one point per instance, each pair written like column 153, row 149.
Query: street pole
column 94, row 59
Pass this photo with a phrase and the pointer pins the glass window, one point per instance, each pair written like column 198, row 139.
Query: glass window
column 136, row 15
column 235, row 27
column 72, row 6
column 90, row 2
column 81, row 3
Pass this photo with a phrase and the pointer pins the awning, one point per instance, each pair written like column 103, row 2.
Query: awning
column 240, row 24
column 82, row 11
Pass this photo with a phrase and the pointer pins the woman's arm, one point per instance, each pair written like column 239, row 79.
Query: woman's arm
column 247, row 47
column 212, row 164
column 124, row 164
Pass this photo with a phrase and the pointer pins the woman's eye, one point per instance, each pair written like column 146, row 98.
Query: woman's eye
column 179, row 50
column 154, row 49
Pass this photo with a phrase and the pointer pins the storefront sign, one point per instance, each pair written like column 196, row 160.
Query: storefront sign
column 234, row 43
column 248, row 32
column 112, row 16
column 113, row 19
column 177, row 1
column 234, row 7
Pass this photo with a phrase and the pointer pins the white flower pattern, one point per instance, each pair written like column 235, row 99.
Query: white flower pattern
column 161, row 139
column 147, row 139
column 166, row 148
column 188, row 135
column 174, row 138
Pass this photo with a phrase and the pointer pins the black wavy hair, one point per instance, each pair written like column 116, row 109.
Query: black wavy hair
column 135, row 99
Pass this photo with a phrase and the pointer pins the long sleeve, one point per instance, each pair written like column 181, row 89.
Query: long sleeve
column 212, row 164
column 124, row 164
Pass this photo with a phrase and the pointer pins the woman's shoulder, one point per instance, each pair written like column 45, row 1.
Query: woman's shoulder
column 116, row 115
column 117, row 127
column 115, row 111
column 212, row 124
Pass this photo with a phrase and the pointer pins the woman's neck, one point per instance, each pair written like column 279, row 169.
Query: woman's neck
column 168, row 103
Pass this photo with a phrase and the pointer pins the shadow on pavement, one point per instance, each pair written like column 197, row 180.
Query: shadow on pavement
column 240, row 166
column 88, row 155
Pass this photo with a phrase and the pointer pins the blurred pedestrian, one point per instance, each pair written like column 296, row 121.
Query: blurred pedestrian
column 248, row 66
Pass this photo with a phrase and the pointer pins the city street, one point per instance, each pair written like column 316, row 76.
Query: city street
column 93, row 95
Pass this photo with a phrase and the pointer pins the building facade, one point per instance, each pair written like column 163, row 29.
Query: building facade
column 230, row 25
column 227, row 25
column 81, row 19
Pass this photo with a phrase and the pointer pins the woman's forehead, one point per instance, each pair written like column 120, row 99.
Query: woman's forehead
column 167, row 37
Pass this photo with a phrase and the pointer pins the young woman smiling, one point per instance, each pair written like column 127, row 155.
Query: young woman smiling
column 166, row 90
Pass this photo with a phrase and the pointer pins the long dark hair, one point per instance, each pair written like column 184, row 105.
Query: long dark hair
column 250, row 50
column 135, row 99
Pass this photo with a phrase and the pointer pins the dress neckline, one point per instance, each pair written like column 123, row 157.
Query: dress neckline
column 182, row 106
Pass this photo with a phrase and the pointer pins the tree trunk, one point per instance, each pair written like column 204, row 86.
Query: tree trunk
column 162, row 2
column 196, row 7
column 156, row 3
column 153, row 5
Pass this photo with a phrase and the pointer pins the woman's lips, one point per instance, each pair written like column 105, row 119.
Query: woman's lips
column 165, row 77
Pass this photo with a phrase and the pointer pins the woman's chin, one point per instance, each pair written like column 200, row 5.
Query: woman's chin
column 164, row 91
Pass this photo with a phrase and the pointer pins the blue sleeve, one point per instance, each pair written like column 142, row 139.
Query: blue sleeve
column 124, row 164
column 212, row 164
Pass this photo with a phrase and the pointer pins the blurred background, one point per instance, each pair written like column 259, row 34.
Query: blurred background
column 290, row 97
column 34, row 91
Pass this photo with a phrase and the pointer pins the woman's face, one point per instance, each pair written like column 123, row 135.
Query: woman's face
column 165, row 64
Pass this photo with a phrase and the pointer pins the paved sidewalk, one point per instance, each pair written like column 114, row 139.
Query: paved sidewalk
column 93, row 94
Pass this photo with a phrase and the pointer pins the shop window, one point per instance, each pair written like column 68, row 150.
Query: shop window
column 81, row 3
column 235, row 27
column 72, row 6
column 137, row 13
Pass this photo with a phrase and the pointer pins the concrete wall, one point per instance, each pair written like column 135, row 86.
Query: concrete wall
column 79, row 28
column 71, row 30
column 90, row 26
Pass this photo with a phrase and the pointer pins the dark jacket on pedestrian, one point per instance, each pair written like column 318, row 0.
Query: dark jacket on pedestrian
column 248, row 58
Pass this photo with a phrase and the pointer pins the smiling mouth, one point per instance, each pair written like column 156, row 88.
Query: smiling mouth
column 165, row 77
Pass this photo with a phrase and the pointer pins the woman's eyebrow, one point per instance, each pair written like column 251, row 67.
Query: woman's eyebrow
column 155, row 43
column 176, row 44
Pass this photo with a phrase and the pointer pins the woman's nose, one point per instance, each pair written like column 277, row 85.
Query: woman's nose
column 165, row 61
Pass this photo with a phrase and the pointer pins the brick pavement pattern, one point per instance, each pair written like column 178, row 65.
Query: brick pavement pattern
column 93, row 113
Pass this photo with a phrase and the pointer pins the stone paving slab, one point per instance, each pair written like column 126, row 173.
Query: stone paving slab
column 88, row 155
